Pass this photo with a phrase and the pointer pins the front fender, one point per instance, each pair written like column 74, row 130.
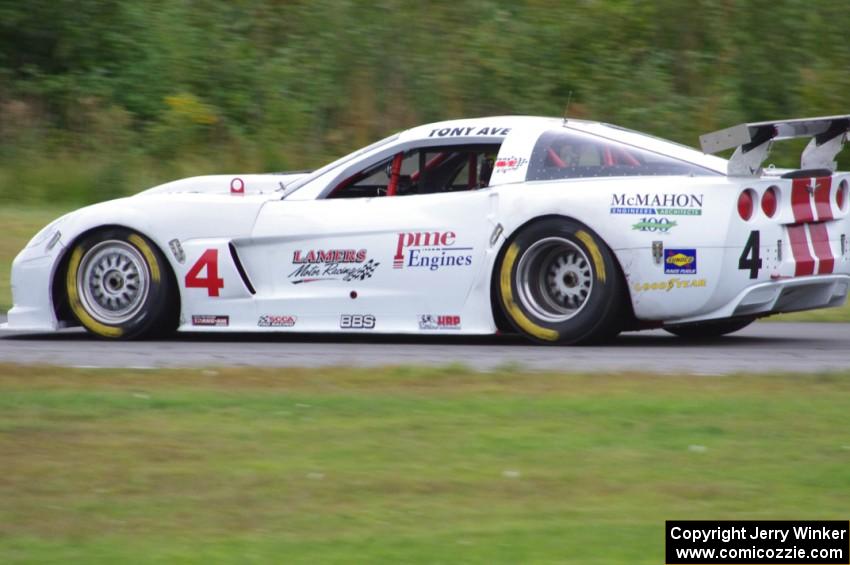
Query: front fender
column 160, row 217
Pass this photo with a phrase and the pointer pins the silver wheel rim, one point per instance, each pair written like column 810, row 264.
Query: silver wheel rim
column 554, row 279
column 113, row 282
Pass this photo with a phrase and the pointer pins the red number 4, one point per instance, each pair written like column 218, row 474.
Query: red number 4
column 210, row 281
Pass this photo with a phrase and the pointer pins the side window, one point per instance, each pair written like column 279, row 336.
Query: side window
column 562, row 154
column 423, row 171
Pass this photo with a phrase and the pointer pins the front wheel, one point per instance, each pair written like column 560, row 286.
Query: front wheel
column 118, row 285
column 559, row 283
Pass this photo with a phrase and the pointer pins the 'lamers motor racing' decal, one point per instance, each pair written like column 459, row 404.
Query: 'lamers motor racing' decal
column 430, row 250
column 329, row 256
column 272, row 321
column 429, row 322
column 509, row 164
column 209, row 320
column 680, row 261
column 669, row 285
column 331, row 264
column 664, row 204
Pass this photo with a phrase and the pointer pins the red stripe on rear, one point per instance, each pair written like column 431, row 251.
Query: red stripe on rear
column 805, row 263
column 820, row 241
column 822, row 201
column 801, row 202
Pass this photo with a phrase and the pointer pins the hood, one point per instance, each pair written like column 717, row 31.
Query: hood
column 273, row 183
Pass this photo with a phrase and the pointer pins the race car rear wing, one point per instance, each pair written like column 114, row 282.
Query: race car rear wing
column 753, row 142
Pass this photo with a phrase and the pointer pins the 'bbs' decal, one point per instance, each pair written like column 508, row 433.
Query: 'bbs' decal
column 357, row 322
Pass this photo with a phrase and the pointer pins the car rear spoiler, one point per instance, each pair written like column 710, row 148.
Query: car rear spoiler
column 753, row 142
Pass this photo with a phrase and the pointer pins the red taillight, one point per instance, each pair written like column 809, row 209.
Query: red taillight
column 768, row 202
column 841, row 195
column 746, row 203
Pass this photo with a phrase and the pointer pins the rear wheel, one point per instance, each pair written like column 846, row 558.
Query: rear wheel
column 118, row 285
column 559, row 283
column 710, row 329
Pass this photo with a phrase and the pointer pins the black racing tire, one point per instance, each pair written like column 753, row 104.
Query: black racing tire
column 119, row 286
column 558, row 283
column 710, row 329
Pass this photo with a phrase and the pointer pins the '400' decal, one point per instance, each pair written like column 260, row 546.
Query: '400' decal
column 654, row 225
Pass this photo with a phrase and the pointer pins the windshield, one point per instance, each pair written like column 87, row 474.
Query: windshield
column 341, row 161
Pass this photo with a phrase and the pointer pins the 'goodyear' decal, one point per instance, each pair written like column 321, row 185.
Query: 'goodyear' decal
column 669, row 285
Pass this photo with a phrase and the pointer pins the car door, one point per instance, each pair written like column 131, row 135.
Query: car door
column 381, row 262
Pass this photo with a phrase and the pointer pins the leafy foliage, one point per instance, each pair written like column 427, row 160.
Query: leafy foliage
column 130, row 93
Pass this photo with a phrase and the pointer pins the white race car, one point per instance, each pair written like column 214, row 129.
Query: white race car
column 564, row 230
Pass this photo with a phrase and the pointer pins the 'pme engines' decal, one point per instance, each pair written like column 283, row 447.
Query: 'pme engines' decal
column 430, row 250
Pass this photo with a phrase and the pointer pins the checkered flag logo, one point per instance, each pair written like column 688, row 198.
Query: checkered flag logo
column 365, row 272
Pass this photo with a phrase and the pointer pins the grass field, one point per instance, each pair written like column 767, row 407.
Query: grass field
column 403, row 465
column 21, row 223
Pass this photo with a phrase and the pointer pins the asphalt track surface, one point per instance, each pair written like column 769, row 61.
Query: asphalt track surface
column 762, row 347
